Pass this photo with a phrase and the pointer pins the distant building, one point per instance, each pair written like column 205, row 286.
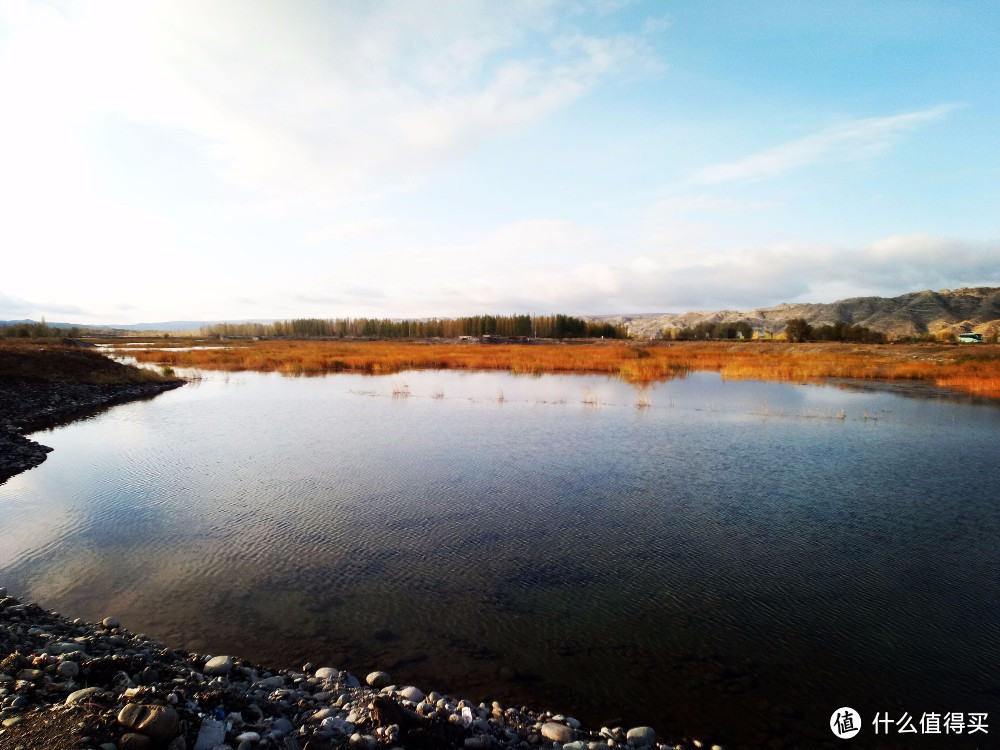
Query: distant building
column 970, row 338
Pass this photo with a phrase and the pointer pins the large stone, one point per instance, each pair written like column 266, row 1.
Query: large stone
column 640, row 736
column 68, row 669
column 218, row 665
column 327, row 673
column 554, row 732
column 378, row 679
column 160, row 723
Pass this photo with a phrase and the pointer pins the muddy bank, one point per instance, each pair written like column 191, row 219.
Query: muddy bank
column 27, row 406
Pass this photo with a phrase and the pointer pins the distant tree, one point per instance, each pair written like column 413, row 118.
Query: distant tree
column 798, row 329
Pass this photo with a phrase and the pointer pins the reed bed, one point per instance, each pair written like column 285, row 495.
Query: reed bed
column 959, row 368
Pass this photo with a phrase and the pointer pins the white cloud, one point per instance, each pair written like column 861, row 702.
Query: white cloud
column 302, row 102
column 847, row 141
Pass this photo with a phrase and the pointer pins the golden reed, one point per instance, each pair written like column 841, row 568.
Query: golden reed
column 973, row 369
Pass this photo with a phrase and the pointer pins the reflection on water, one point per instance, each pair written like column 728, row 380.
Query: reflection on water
column 740, row 557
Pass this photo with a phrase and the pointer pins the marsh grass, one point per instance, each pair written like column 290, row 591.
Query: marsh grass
column 946, row 366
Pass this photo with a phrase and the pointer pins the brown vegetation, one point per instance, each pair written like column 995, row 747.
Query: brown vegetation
column 971, row 369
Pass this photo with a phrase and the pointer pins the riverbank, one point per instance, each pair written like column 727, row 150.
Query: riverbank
column 44, row 385
column 69, row 683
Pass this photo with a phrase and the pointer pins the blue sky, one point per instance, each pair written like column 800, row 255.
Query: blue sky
column 251, row 159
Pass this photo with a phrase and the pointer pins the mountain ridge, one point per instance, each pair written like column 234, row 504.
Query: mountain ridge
column 915, row 314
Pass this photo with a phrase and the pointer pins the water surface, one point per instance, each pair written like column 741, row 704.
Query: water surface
column 736, row 559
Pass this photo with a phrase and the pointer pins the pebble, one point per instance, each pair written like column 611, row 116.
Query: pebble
column 68, row 669
column 219, row 665
column 327, row 673
column 159, row 723
column 558, row 732
column 412, row 694
column 281, row 727
column 81, row 695
column 110, row 622
column 479, row 742
column 378, row 679
column 211, row 733
column 640, row 736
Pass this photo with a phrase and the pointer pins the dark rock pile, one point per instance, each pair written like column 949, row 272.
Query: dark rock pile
column 26, row 406
column 101, row 687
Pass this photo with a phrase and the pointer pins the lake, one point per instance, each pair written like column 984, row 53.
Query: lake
column 716, row 559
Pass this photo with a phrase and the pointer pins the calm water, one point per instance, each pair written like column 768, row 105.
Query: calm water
column 735, row 560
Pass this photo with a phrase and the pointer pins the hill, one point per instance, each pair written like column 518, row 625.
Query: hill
column 974, row 309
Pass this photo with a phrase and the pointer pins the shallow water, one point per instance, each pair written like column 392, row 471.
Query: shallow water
column 737, row 559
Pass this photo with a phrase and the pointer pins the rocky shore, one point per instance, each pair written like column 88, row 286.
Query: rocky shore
column 70, row 684
column 27, row 406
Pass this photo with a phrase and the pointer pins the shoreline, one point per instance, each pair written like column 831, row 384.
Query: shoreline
column 100, row 686
column 27, row 407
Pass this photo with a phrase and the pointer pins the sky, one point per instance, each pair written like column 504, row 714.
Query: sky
column 236, row 159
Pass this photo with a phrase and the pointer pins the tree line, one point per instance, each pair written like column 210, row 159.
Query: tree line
column 738, row 330
column 507, row 326
column 39, row 331
column 796, row 329
column 799, row 329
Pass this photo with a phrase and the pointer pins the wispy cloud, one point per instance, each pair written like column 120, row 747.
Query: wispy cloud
column 846, row 141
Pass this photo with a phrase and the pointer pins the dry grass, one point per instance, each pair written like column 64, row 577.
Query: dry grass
column 969, row 369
